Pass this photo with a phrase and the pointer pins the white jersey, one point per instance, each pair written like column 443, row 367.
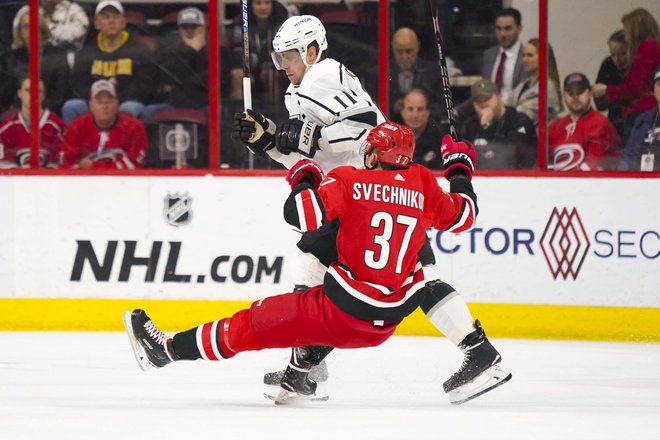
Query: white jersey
column 331, row 96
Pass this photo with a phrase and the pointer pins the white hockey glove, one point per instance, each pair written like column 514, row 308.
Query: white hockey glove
column 297, row 136
column 254, row 131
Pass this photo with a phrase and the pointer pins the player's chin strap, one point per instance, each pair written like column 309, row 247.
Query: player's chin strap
column 318, row 58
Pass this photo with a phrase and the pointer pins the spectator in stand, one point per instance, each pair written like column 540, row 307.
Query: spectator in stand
column 642, row 151
column 67, row 21
column 15, row 133
column 502, row 64
column 408, row 72
column 116, row 57
column 104, row 138
column 503, row 137
column 584, row 139
column 15, row 64
column 428, row 133
column 643, row 45
column 526, row 94
column 184, row 66
column 612, row 72
column 265, row 18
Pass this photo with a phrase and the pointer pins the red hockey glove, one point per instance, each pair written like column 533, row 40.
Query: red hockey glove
column 305, row 171
column 457, row 157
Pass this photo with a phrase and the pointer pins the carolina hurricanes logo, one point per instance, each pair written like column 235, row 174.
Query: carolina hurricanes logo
column 568, row 157
column 564, row 243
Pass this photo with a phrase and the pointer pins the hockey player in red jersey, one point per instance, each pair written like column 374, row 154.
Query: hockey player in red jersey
column 331, row 115
column 15, row 133
column 384, row 211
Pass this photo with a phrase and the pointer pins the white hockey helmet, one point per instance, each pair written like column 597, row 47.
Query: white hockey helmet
column 298, row 32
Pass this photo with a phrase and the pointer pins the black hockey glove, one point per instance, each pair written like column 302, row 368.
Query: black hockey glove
column 297, row 136
column 254, row 131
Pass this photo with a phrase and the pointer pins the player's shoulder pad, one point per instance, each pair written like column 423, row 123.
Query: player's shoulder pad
column 321, row 79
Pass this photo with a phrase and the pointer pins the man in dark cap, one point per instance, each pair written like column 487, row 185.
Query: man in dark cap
column 503, row 137
column 584, row 139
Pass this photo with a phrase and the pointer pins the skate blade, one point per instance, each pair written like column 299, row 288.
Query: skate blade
column 280, row 396
column 485, row 382
column 138, row 351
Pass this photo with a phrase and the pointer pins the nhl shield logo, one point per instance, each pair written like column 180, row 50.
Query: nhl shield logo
column 177, row 209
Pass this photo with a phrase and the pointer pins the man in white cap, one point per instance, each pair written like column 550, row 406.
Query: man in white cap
column 104, row 137
column 116, row 57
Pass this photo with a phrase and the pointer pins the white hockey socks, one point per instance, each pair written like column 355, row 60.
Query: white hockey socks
column 452, row 317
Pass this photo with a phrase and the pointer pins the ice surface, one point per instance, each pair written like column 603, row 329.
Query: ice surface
column 88, row 386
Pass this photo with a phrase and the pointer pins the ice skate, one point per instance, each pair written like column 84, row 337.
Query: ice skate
column 296, row 381
column 152, row 348
column 480, row 371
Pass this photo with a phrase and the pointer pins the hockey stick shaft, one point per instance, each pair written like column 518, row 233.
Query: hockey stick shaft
column 247, row 86
column 449, row 101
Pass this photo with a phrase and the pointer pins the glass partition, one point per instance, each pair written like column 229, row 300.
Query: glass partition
column 594, row 77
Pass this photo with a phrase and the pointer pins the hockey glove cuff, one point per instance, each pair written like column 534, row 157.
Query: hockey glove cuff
column 457, row 157
column 254, row 131
column 305, row 171
column 297, row 136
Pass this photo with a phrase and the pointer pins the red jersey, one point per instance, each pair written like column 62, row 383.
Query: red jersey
column 383, row 217
column 123, row 146
column 15, row 141
column 591, row 143
column 637, row 90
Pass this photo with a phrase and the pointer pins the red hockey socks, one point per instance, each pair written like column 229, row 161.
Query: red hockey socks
column 207, row 341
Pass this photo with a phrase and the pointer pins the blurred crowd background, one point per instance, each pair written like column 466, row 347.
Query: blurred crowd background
column 125, row 85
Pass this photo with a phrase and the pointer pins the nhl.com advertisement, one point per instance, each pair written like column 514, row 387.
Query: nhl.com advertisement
column 537, row 241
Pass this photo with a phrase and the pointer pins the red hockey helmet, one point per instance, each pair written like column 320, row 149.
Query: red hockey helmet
column 395, row 143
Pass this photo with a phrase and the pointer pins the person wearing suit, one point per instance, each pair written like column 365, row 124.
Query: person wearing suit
column 408, row 71
column 502, row 64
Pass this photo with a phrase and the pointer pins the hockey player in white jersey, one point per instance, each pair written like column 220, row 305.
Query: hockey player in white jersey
column 330, row 113
column 330, row 117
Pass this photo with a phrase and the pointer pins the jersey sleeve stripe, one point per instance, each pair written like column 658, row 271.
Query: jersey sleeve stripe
column 309, row 212
column 465, row 220
column 334, row 141
column 318, row 104
column 350, row 98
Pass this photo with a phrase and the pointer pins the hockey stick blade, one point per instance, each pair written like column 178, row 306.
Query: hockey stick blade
column 138, row 351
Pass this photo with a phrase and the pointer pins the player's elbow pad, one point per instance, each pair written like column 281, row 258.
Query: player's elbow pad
column 304, row 209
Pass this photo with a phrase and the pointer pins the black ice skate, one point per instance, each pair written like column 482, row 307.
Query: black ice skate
column 480, row 371
column 296, row 381
column 152, row 348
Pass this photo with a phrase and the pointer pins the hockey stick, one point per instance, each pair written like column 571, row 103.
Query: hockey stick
column 247, row 85
column 449, row 101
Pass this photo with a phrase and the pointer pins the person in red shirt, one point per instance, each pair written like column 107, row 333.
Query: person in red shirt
column 584, row 139
column 15, row 133
column 383, row 213
column 642, row 36
column 104, row 138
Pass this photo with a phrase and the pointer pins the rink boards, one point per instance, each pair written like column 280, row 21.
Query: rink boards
column 569, row 258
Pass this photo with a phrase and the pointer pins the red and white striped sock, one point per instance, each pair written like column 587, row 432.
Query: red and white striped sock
column 207, row 341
